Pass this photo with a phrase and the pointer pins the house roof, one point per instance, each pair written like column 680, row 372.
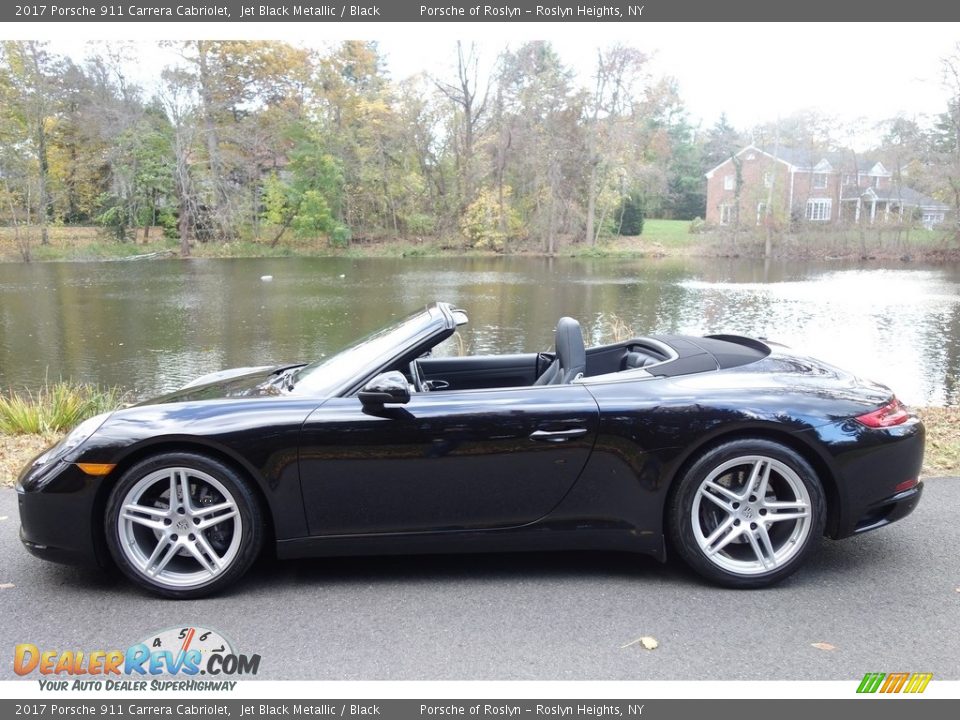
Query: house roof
column 710, row 172
column 805, row 159
column 908, row 197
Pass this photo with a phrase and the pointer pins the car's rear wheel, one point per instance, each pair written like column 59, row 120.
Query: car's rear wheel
column 747, row 513
column 183, row 525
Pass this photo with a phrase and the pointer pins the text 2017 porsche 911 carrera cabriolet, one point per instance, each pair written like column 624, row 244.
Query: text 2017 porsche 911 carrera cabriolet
column 737, row 454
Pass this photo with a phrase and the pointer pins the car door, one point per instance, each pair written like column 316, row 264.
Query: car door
column 445, row 460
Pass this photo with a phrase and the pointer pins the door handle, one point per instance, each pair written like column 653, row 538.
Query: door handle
column 557, row 436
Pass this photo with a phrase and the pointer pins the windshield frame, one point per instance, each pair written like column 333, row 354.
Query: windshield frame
column 345, row 372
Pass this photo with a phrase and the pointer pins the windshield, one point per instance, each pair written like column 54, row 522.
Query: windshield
column 330, row 375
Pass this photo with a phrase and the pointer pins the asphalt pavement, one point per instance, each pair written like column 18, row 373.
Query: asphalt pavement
column 885, row 601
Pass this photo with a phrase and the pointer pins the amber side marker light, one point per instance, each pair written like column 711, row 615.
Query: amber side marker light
column 96, row 468
column 893, row 413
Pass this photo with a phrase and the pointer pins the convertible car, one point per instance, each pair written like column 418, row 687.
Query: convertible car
column 736, row 454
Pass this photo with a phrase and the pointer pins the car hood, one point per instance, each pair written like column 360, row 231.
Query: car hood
column 244, row 382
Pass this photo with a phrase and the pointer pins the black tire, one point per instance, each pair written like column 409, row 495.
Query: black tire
column 726, row 533
column 205, row 538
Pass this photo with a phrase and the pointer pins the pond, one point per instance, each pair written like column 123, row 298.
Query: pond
column 153, row 325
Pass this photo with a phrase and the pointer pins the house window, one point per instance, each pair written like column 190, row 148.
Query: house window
column 728, row 182
column 876, row 181
column 761, row 212
column 819, row 181
column 819, row 210
column 931, row 218
column 768, row 179
column 727, row 214
column 850, row 179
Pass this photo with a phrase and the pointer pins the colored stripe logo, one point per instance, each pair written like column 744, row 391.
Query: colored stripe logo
column 899, row 682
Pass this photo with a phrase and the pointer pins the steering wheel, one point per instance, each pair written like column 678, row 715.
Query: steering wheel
column 416, row 377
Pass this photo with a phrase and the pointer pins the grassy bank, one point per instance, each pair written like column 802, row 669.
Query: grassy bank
column 660, row 238
column 54, row 408
column 942, row 456
column 32, row 421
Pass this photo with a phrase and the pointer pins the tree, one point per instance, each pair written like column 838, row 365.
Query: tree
column 666, row 156
column 309, row 200
column 233, row 80
column 629, row 216
column 945, row 137
column 142, row 167
column 471, row 104
column 720, row 143
column 33, row 73
column 618, row 72
column 360, row 128
column 16, row 173
column 544, row 162
column 177, row 103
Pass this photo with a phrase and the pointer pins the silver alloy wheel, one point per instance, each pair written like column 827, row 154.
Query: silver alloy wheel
column 180, row 527
column 751, row 515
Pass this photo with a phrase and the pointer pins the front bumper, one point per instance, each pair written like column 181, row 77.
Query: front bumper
column 57, row 505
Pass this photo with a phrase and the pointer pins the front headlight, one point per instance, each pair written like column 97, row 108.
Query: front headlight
column 74, row 439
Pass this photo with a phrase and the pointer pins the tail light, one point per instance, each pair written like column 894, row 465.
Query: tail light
column 893, row 413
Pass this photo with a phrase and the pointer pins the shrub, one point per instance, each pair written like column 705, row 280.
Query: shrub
column 629, row 216
column 55, row 408
column 483, row 224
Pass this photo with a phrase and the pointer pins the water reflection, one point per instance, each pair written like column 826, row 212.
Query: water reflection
column 154, row 325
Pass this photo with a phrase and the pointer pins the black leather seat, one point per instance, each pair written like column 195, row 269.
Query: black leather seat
column 571, row 360
column 638, row 359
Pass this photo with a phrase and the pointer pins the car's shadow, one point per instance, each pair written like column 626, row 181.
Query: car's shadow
column 501, row 567
column 831, row 562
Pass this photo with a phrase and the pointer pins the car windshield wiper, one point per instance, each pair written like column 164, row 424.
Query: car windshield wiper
column 284, row 378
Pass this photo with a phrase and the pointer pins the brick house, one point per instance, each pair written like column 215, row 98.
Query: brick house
column 816, row 187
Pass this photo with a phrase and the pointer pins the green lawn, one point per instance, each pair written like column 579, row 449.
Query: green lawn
column 669, row 233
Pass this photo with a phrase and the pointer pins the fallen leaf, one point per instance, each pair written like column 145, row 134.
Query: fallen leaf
column 646, row 642
column 823, row 646
column 6, row 586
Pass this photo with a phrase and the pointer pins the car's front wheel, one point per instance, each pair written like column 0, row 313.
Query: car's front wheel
column 183, row 525
column 746, row 513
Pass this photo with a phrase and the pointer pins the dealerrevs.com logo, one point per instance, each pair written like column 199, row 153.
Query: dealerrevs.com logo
column 188, row 652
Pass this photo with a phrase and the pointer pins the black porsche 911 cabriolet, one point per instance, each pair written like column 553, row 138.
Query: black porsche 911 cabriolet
column 737, row 454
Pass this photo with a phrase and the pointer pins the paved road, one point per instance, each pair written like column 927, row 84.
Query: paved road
column 887, row 600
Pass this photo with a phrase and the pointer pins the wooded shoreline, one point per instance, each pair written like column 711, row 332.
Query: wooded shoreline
column 661, row 238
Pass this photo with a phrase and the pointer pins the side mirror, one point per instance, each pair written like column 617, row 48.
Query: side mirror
column 388, row 387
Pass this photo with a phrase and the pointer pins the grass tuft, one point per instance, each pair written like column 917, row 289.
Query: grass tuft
column 942, row 456
column 54, row 408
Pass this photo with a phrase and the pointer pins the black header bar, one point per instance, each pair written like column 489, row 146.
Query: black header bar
column 502, row 11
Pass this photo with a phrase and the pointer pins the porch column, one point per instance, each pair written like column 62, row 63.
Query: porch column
column 886, row 212
column 856, row 214
column 873, row 210
column 901, row 213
